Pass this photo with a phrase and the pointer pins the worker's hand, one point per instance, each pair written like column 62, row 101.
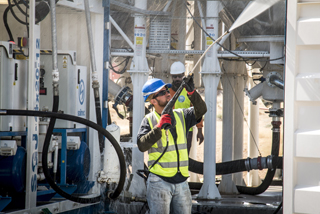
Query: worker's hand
column 200, row 136
column 189, row 85
column 165, row 121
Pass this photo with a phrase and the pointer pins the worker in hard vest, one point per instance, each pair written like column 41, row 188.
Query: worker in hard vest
column 177, row 70
column 167, row 187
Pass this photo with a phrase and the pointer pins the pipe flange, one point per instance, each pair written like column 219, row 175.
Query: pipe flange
column 271, row 74
column 269, row 162
column 247, row 164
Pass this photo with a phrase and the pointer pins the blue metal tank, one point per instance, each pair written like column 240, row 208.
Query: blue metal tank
column 13, row 171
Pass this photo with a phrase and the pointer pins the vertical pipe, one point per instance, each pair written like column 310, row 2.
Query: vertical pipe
column 238, row 126
column 33, row 103
column 55, row 73
column 211, row 76
column 106, row 54
column 226, row 185
column 139, row 74
column 253, row 178
column 197, row 46
column 182, row 30
column 201, row 14
column 90, row 38
column 95, row 78
column 193, row 153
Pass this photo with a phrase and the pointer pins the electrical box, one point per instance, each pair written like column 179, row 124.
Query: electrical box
column 72, row 86
column 20, row 98
column 13, row 88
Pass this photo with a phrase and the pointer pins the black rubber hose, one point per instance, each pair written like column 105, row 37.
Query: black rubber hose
column 270, row 173
column 91, row 124
column 5, row 22
column 98, row 117
column 46, row 144
column 230, row 166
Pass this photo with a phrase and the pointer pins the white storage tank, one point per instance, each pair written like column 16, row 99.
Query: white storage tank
column 72, row 86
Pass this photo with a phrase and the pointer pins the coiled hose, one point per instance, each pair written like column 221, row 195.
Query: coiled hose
column 116, row 193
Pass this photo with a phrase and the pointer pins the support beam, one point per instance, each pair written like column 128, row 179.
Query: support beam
column 238, row 125
column 211, row 76
column 139, row 75
column 227, row 186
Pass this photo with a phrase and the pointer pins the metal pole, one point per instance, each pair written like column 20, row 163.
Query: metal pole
column 253, row 178
column 33, row 104
column 139, row 74
column 211, row 76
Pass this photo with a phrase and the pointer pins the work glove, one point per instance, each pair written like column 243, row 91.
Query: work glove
column 165, row 121
column 189, row 85
column 200, row 136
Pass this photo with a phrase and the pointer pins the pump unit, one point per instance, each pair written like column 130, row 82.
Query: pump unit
column 72, row 86
column 13, row 87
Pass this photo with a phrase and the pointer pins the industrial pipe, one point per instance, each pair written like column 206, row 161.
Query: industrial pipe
column 254, row 93
column 95, row 81
column 269, row 162
column 100, row 129
column 277, row 81
column 270, row 173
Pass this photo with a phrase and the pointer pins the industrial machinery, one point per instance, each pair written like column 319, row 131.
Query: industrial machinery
column 59, row 152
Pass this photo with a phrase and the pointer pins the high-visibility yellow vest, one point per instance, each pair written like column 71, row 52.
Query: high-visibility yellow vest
column 168, row 164
column 183, row 102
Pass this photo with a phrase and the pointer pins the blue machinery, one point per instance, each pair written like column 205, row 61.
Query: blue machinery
column 74, row 168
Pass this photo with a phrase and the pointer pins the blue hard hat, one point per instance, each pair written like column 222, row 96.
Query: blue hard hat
column 153, row 86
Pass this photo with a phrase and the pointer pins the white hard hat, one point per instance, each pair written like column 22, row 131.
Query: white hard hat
column 177, row 68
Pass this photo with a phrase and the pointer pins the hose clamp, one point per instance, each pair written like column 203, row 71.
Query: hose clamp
column 259, row 163
column 269, row 162
column 247, row 164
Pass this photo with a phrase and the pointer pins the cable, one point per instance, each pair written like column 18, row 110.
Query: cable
column 125, row 66
column 14, row 15
column 244, row 59
column 116, row 193
column 17, row 4
column 5, row 22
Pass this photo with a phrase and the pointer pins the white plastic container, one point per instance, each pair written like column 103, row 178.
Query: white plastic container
column 111, row 161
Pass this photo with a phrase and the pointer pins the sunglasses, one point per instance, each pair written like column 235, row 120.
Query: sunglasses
column 177, row 76
column 161, row 93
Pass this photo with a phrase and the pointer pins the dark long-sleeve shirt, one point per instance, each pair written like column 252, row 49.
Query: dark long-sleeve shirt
column 147, row 136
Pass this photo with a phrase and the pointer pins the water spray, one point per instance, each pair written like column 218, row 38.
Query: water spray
column 252, row 10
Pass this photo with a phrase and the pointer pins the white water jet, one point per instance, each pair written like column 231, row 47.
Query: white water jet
column 253, row 9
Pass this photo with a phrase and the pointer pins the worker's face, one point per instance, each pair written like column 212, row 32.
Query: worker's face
column 177, row 80
column 162, row 97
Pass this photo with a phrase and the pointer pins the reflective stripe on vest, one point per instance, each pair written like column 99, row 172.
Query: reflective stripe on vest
column 167, row 166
